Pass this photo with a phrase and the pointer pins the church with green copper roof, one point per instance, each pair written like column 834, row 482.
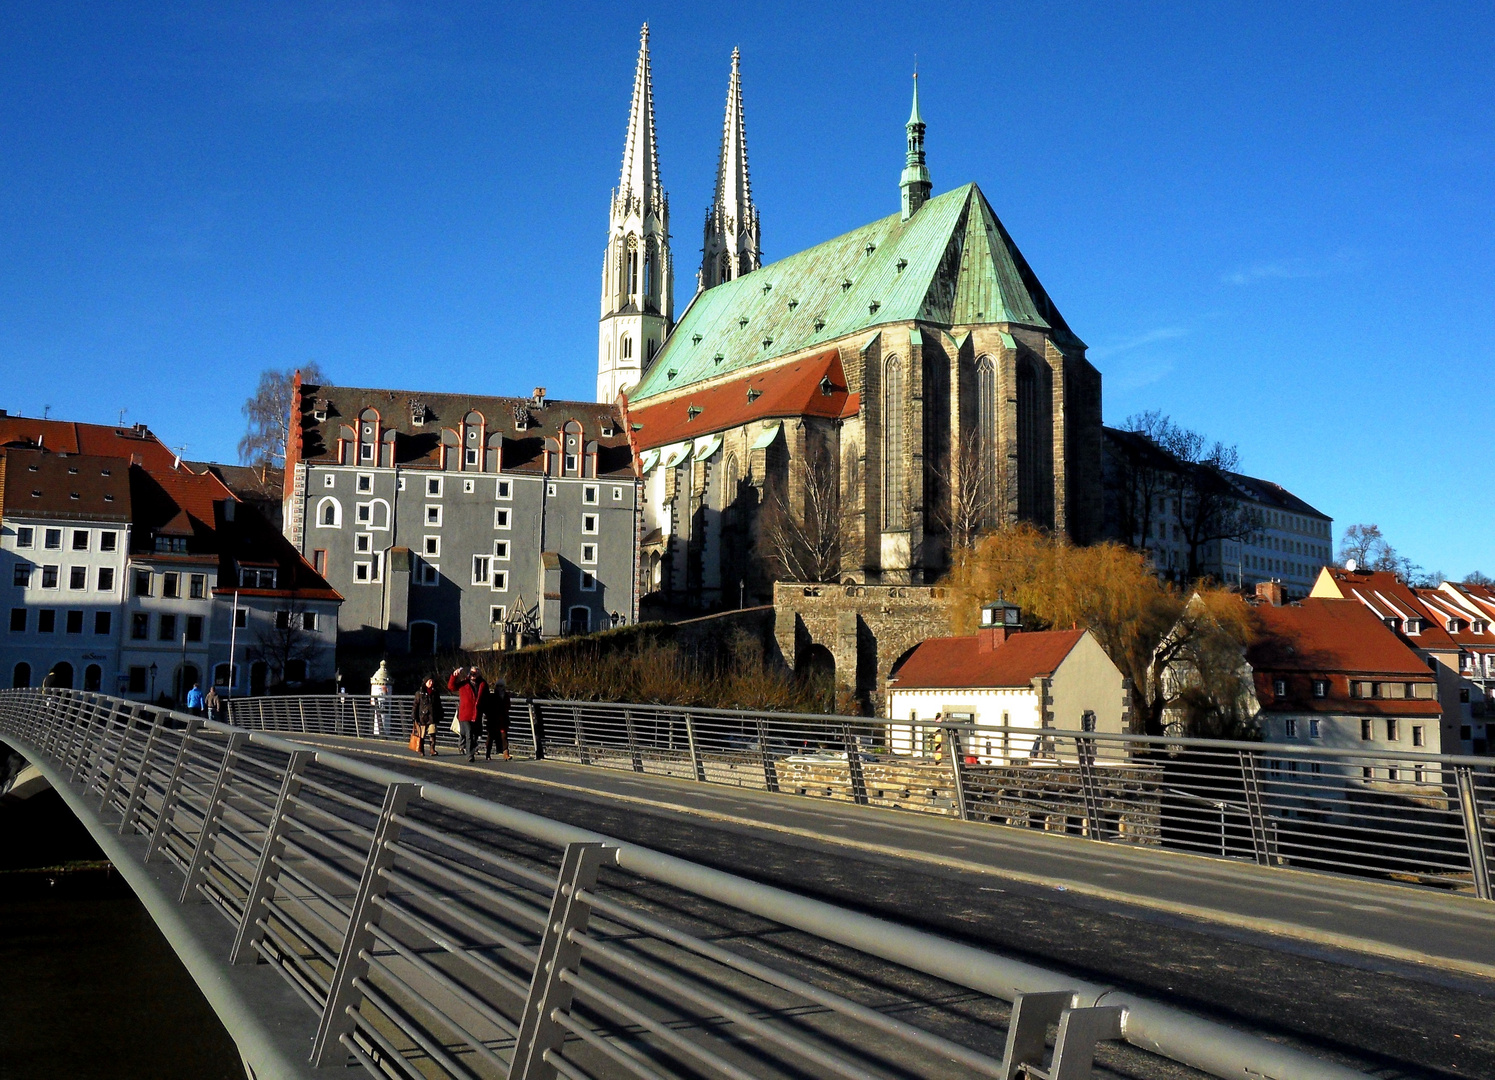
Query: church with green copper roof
column 853, row 412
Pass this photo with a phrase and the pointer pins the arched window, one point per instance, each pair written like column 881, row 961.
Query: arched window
column 93, row 678
column 329, row 513
column 986, row 435
column 649, row 270
column 1031, row 435
column 851, row 477
column 625, row 348
column 632, row 265
column 20, row 679
column 62, row 675
column 725, row 271
column 727, row 489
column 893, row 496
column 368, row 437
column 580, row 621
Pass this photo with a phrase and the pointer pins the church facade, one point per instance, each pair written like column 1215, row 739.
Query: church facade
column 899, row 386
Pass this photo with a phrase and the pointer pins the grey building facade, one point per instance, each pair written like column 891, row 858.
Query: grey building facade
column 456, row 520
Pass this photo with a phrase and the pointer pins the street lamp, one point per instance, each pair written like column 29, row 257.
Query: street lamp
column 153, row 681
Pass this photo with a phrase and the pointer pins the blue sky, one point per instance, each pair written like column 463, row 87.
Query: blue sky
column 1273, row 222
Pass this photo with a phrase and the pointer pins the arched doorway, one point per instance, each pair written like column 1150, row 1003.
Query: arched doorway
column 93, row 678
column 580, row 621
column 20, row 679
column 61, row 676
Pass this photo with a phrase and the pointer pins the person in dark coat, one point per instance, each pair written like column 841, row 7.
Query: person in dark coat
column 496, row 719
column 468, row 685
column 425, row 714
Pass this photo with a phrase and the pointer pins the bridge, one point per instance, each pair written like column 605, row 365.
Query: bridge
column 434, row 918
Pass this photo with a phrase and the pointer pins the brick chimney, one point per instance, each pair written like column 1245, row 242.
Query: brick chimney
column 999, row 622
column 1271, row 592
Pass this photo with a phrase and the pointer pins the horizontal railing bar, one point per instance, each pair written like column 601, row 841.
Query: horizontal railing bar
column 451, row 985
column 433, row 933
column 445, row 1019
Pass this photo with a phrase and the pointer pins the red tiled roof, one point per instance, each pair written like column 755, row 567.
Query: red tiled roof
column 946, row 663
column 73, row 487
column 787, row 390
column 1389, row 597
column 100, row 440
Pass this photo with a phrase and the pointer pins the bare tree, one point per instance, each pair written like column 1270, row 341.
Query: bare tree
column 284, row 643
column 1143, row 467
column 977, row 493
column 807, row 543
column 1370, row 549
column 1475, row 577
column 269, row 414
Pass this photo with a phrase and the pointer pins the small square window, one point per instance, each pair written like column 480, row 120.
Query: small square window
column 77, row 577
column 1320, row 688
column 572, row 463
column 49, row 577
column 480, row 569
column 46, row 621
column 400, row 484
column 194, row 627
column 25, row 536
column 589, row 494
column 589, row 553
column 166, row 628
column 469, row 486
column 1313, row 729
column 102, row 622
column 365, row 513
column 1417, row 736
column 430, row 573
column 75, row 622
column 588, row 582
column 1279, row 687
column 366, row 452
column 52, row 539
column 197, row 587
column 500, row 549
column 362, row 571
column 433, row 487
column 363, row 543
column 171, row 585
column 329, row 480
column 80, row 539
column 432, row 546
column 496, row 614
column 550, row 491
column 433, row 514
column 589, row 523
column 472, row 459
column 505, row 489
column 617, row 494
column 501, row 517
column 500, row 580
column 365, row 482
column 1367, row 730
column 21, row 575
column 1291, row 727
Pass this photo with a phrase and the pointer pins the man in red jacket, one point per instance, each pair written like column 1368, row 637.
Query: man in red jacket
column 468, row 685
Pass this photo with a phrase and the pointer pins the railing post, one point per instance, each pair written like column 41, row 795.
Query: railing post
column 262, row 885
column 301, row 705
column 549, row 993
column 583, row 754
column 957, row 773
column 1261, row 840
column 77, row 738
column 119, row 759
column 770, row 772
column 633, row 750
column 1074, row 1046
column 1474, row 831
column 352, row 960
column 854, row 766
column 537, row 729
column 90, row 783
column 212, row 816
column 1089, row 787
column 173, row 787
column 142, row 776
column 695, row 753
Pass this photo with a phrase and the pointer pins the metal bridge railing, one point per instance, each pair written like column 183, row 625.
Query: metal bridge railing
column 1399, row 815
column 430, row 932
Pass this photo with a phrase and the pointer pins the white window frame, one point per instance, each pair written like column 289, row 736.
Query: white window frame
column 588, row 581
column 87, row 540
column 501, row 550
column 365, row 484
column 435, row 485
column 363, row 543
column 589, row 524
column 617, row 494
column 433, row 514
column 329, row 480
column 431, row 547
column 26, row 536
column 428, row 573
column 503, row 517
column 470, row 457
column 499, row 581
column 550, row 491
column 363, row 514
column 503, row 489
column 589, row 554
column 363, row 572
column 482, row 569
column 337, row 513
column 497, row 614
column 590, row 494
column 469, row 486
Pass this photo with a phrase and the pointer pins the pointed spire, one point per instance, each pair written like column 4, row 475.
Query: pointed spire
column 915, row 182
column 731, row 237
column 640, row 176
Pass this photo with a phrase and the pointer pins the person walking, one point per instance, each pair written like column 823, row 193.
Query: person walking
column 212, row 702
column 425, row 715
column 194, row 700
column 468, row 685
column 496, row 719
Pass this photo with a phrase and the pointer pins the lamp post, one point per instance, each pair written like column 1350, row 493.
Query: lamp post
column 338, row 678
column 153, row 682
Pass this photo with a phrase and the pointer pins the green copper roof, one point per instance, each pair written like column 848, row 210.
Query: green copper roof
column 952, row 263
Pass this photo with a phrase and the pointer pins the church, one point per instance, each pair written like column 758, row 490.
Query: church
column 873, row 399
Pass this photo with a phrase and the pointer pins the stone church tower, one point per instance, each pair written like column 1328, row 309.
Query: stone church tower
column 731, row 246
column 638, row 303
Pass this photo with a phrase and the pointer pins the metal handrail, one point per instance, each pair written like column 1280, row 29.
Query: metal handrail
column 403, row 966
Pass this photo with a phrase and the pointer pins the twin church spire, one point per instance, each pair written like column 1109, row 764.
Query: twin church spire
column 638, row 273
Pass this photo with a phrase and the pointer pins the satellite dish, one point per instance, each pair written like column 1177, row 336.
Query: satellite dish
column 1351, row 565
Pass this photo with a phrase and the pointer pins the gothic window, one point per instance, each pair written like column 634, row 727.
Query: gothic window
column 727, row 492
column 622, row 275
column 632, row 265
column 725, row 271
column 851, row 476
column 650, row 257
column 986, row 425
column 892, row 444
column 1032, row 434
column 625, row 348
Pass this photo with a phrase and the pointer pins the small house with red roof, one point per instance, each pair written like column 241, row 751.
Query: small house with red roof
column 1004, row 678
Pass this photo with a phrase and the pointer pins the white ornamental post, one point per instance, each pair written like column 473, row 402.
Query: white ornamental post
column 379, row 696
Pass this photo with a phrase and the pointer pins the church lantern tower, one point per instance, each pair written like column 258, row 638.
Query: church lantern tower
column 915, row 183
column 730, row 248
column 638, row 304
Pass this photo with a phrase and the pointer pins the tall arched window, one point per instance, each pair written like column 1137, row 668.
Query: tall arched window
column 625, row 348
column 622, row 263
column 649, row 270
column 893, row 496
column 632, row 265
column 851, row 477
column 20, row 678
column 986, row 434
column 725, row 272
column 1031, row 435
column 727, row 490
column 329, row 513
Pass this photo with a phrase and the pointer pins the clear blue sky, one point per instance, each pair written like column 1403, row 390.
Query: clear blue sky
column 1273, row 222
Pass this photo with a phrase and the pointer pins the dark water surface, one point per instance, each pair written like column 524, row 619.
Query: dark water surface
column 88, row 986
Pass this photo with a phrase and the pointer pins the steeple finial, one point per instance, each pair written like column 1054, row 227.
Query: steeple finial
column 730, row 247
column 640, row 175
column 915, row 183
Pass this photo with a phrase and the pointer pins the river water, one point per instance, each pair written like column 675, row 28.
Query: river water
column 88, row 986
